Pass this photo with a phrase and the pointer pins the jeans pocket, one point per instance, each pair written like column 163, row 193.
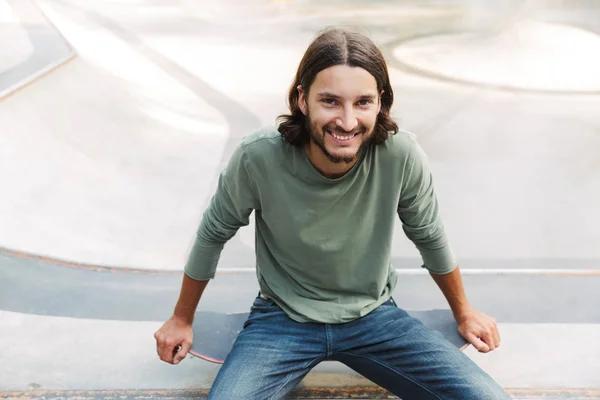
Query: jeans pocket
column 261, row 302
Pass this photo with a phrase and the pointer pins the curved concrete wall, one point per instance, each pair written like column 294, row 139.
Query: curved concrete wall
column 30, row 45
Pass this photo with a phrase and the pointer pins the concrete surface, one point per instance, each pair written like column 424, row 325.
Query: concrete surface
column 528, row 55
column 506, row 166
column 104, row 354
column 43, row 288
column 110, row 159
column 13, row 40
column 30, row 46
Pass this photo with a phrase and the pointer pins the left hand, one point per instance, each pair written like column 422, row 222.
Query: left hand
column 480, row 330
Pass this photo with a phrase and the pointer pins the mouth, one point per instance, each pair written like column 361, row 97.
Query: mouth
column 342, row 138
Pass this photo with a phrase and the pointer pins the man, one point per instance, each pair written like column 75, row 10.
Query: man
column 326, row 187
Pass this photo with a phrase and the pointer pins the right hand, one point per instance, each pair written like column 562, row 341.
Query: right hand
column 173, row 340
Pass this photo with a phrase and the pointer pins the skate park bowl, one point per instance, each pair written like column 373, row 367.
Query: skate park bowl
column 530, row 48
column 116, row 118
column 31, row 45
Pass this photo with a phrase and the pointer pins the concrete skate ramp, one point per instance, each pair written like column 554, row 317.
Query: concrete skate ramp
column 529, row 55
column 87, row 153
column 108, row 139
column 111, row 159
column 30, row 45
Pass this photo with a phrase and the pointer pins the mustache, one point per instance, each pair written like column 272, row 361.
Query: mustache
column 338, row 130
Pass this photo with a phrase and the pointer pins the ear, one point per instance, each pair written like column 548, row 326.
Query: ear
column 380, row 101
column 301, row 99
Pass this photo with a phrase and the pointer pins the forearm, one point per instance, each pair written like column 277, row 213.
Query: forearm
column 452, row 287
column 191, row 292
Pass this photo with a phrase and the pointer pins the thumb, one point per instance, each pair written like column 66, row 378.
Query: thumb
column 477, row 343
column 182, row 352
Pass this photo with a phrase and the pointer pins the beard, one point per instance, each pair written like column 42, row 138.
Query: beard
column 317, row 136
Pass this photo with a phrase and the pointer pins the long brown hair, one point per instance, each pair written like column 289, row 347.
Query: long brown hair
column 331, row 47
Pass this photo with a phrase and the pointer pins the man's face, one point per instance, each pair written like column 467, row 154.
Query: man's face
column 341, row 111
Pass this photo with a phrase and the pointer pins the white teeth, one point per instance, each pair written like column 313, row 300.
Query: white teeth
column 342, row 137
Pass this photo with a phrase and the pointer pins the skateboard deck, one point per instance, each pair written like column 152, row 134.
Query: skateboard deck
column 215, row 333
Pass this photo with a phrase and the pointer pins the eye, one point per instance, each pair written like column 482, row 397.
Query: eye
column 329, row 101
column 365, row 102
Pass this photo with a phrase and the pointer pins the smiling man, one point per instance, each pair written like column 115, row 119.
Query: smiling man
column 326, row 187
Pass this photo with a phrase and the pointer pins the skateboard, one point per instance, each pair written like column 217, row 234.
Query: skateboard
column 215, row 333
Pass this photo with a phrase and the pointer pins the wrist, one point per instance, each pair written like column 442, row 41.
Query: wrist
column 182, row 319
column 462, row 311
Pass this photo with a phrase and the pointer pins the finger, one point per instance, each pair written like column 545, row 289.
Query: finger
column 160, row 344
column 477, row 343
column 488, row 339
column 169, row 352
column 182, row 352
column 496, row 335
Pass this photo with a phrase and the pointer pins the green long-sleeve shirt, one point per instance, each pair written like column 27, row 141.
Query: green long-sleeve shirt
column 323, row 246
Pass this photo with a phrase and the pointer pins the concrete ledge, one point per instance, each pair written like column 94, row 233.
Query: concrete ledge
column 89, row 354
column 312, row 393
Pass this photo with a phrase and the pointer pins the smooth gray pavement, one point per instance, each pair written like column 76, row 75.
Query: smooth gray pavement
column 44, row 288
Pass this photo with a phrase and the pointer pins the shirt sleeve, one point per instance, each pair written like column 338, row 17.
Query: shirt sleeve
column 418, row 210
column 229, row 209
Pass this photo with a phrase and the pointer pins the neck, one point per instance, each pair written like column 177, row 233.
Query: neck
column 324, row 165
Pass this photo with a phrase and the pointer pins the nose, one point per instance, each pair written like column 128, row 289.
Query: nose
column 347, row 121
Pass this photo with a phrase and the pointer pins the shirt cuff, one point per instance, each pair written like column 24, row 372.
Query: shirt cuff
column 202, row 261
column 439, row 261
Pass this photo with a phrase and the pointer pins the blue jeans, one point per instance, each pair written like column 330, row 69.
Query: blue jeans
column 273, row 353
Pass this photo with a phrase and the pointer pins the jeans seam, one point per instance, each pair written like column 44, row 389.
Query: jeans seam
column 306, row 365
column 328, row 340
column 396, row 371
